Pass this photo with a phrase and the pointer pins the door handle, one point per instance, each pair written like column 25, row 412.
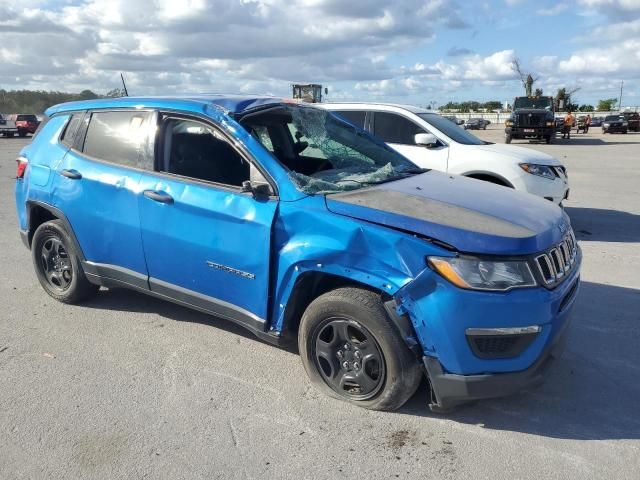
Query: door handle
column 72, row 174
column 157, row 196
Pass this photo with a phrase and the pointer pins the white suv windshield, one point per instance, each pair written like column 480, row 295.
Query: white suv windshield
column 450, row 129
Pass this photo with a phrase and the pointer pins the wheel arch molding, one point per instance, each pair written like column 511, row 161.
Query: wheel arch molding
column 39, row 212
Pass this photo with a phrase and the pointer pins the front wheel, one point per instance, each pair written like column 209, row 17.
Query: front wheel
column 548, row 139
column 352, row 351
column 57, row 265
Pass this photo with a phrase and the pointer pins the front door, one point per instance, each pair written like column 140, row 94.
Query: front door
column 399, row 132
column 206, row 242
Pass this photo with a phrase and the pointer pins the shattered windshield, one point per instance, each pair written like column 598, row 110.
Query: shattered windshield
column 324, row 153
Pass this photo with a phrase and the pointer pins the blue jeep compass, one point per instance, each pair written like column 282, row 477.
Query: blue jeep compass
column 292, row 222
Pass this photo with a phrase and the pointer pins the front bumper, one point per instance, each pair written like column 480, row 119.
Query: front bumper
column 529, row 132
column 449, row 390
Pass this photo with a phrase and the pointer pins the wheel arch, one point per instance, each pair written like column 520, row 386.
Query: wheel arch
column 39, row 213
column 312, row 284
column 491, row 177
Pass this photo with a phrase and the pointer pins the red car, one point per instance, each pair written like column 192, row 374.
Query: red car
column 25, row 123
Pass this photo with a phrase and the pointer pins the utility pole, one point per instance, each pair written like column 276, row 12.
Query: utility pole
column 620, row 101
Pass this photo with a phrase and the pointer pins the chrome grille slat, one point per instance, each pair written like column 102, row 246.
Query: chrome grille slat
column 557, row 262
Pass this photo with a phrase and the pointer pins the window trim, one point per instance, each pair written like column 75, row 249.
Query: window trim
column 169, row 114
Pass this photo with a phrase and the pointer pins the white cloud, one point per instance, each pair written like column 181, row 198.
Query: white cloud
column 553, row 10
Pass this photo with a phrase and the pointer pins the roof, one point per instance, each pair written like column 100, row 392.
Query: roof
column 410, row 108
column 229, row 103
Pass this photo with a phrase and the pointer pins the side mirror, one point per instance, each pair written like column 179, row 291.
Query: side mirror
column 258, row 189
column 426, row 139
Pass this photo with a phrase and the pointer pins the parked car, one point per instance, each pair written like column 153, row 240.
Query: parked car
column 25, row 123
column 615, row 123
column 633, row 120
column 581, row 124
column 288, row 220
column 7, row 126
column 596, row 121
column 476, row 124
column 429, row 141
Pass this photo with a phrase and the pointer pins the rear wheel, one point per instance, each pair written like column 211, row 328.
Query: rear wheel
column 352, row 351
column 22, row 133
column 57, row 265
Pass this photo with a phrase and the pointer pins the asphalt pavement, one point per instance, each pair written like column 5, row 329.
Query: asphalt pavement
column 127, row 386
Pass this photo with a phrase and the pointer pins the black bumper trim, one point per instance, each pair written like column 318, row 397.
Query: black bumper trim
column 24, row 236
column 450, row 390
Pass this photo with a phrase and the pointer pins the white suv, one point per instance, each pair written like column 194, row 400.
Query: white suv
column 432, row 141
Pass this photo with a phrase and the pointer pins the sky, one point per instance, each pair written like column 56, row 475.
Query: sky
column 423, row 52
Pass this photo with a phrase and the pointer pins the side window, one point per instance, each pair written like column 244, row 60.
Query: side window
column 69, row 134
column 118, row 137
column 394, row 128
column 356, row 117
column 195, row 150
column 40, row 127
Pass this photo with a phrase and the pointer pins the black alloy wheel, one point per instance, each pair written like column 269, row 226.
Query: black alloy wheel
column 348, row 358
column 56, row 264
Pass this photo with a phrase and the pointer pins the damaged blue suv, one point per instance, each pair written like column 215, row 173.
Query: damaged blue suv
column 290, row 221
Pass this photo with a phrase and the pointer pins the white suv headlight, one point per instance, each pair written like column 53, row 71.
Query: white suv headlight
column 479, row 274
column 539, row 170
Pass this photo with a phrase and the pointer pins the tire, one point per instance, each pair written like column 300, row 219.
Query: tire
column 507, row 139
column 57, row 264
column 22, row 133
column 548, row 139
column 385, row 381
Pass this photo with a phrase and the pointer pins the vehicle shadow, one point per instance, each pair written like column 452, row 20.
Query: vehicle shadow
column 124, row 300
column 579, row 139
column 602, row 225
column 591, row 392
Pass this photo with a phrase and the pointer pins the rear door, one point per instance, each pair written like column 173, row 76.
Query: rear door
column 399, row 131
column 206, row 241
column 97, row 188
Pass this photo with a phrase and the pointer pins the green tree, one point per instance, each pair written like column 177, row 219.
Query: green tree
column 586, row 108
column 607, row 105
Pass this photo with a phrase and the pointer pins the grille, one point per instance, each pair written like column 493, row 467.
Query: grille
column 500, row 346
column 555, row 264
column 531, row 119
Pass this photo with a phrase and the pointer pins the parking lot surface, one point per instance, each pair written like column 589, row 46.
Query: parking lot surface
column 127, row 386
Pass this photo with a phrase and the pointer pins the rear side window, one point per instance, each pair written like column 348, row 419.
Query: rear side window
column 356, row 117
column 26, row 118
column 394, row 128
column 68, row 136
column 118, row 137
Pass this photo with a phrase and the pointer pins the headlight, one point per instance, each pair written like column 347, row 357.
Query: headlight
column 509, row 123
column 550, row 123
column 539, row 170
column 624, row 124
column 605, row 124
column 477, row 274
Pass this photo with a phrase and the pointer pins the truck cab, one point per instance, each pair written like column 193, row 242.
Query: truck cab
column 532, row 117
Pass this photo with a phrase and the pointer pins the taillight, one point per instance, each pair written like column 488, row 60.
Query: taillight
column 22, row 166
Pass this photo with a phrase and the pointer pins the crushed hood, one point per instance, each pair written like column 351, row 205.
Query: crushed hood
column 470, row 215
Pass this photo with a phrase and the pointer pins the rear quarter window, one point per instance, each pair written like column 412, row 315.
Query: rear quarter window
column 68, row 136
